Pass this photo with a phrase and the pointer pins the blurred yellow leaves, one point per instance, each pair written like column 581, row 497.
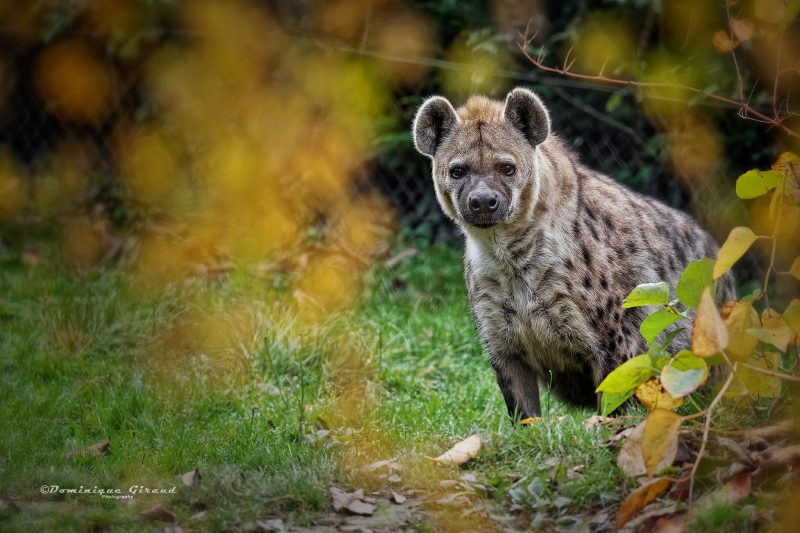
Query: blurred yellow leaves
column 13, row 191
column 738, row 242
column 75, row 82
column 741, row 317
column 603, row 44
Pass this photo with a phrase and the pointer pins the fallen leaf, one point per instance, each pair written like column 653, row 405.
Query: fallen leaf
column 735, row 489
column 630, row 459
column 360, row 508
column 598, row 420
column 97, row 449
column 671, row 524
column 158, row 514
column 191, row 477
column 397, row 497
column 780, row 457
column 462, row 452
column 660, row 439
column 273, row 524
column 638, row 499
column 530, row 420
column 340, row 498
column 653, row 396
column 709, row 335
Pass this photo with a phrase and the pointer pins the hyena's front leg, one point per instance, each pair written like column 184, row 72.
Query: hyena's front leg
column 519, row 385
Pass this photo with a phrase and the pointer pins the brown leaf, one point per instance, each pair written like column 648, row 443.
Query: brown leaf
column 360, row 507
column 97, row 449
column 598, row 420
column 660, row 439
column 741, row 317
column 671, row 524
column 709, row 335
column 779, row 457
column 653, row 396
column 158, row 514
column 462, row 452
column 735, row 489
column 192, row 477
column 397, row 497
column 638, row 499
column 630, row 459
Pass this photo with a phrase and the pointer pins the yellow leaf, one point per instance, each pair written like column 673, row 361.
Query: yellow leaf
column 785, row 159
column 638, row 499
column 709, row 335
column 774, row 330
column 792, row 315
column 660, row 439
column 795, row 270
column 741, row 317
column 737, row 243
column 722, row 42
column 653, row 396
column 462, row 452
column 753, row 383
column 530, row 420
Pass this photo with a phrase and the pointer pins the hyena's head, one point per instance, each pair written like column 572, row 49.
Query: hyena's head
column 483, row 154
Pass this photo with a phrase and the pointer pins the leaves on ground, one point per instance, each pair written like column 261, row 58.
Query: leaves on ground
column 462, row 452
column 192, row 477
column 353, row 502
column 640, row 498
column 735, row 489
column 97, row 449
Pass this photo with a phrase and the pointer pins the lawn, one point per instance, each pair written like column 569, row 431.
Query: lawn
column 214, row 375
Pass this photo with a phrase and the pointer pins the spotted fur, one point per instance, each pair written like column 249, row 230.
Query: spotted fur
column 547, row 272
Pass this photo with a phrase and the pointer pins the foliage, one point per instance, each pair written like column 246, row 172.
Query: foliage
column 746, row 342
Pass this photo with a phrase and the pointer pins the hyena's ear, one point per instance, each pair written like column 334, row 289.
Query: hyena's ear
column 435, row 119
column 526, row 112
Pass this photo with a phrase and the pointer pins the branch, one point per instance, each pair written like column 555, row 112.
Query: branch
column 744, row 107
column 706, row 427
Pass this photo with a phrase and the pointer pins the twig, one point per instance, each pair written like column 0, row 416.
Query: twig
column 589, row 110
column 780, row 375
column 739, row 82
column 744, row 107
column 708, row 412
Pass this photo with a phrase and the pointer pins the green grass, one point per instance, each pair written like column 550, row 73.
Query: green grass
column 207, row 375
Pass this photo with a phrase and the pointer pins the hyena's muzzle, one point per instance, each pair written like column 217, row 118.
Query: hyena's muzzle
column 484, row 199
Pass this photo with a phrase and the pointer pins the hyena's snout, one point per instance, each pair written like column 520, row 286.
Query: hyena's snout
column 484, row 206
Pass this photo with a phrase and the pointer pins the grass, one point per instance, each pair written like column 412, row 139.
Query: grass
column 208, row 375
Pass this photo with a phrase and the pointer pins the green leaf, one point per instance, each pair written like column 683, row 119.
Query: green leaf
column 669, row 337
column 648, row 294
column 738, row 242
column 609, row 401
column 656, row 323
column 696, row 277
column 684, row 374
column 755, row 183
column 629, row 375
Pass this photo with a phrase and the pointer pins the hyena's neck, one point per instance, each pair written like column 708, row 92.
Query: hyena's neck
column 539, row 235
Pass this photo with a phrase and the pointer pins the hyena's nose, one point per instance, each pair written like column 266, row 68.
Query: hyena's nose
column 483, row 202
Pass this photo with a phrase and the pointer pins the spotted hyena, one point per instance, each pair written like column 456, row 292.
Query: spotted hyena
column 551, row 247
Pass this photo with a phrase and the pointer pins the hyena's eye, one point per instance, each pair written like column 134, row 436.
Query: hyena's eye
column 506, row 168
column 458, row 172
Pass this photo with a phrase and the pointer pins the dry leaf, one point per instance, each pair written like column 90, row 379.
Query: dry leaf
column 158, row 514
column 397, row 497
column 660, row 439
column 598, row 420
column 709, row 335
column 638, row 499
column 273, row 524
column 737, row 488
column 97, row 449
column 741, row 317
column 462, row 452
column 774, row 330
column 671, row 524
column 360, row 507
column 630, row 459
column 191, row 477
column 653, row 396
column 530, row 420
